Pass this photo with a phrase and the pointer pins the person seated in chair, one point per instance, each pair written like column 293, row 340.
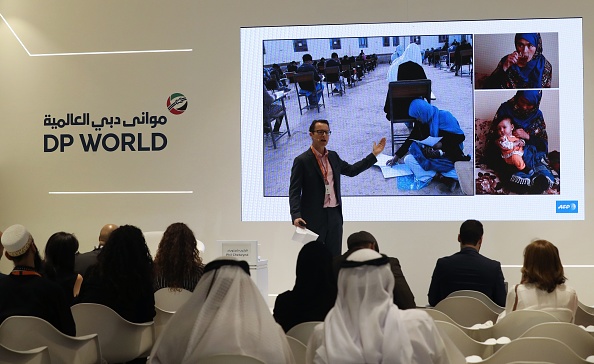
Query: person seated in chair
column 307, row 66
column 335, row 62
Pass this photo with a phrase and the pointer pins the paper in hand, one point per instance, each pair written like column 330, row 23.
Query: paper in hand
column 304, row 235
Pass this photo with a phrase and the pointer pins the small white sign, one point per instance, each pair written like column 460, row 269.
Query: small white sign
column 240, row 249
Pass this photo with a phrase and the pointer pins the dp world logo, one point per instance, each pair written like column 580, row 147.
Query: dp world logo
column 177, row 103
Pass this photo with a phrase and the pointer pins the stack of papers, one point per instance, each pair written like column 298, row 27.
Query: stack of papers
column 397, row 170
column 304, row 236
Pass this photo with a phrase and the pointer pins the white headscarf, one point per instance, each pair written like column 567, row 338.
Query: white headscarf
column 411, row 53
column 226, row 314
column 364, row 325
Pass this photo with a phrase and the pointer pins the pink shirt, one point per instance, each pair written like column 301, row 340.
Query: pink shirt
column 326, row 169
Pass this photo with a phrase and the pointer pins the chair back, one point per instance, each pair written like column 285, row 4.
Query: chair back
column 298, row 349
column 410, row 89
column 161, row 319
column 171, row 300
column 303, row 331
column 480, row 296
column 33, row 356
column 466, row 311
column 332, row 74
column 571, row 335
column 63, row 349
column 230, row 359
column 535, row 349
column 584, row 315
column 120, row 340
column 514, row 324
column 305, row 79
column 290, row 76
column 466, row 56
column 463, row 342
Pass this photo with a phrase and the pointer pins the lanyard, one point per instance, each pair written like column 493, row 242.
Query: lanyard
column 19, row 272
column 323, row 167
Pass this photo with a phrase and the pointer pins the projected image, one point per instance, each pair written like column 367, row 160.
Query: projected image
column 479, row 117
column 517, row 60
column 347, row 82
column 517, row 150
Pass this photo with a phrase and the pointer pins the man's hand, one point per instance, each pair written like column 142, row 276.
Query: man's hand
column 378, row 148
column 299, row 222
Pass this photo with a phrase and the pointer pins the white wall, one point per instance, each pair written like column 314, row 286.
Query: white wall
column 203, row 151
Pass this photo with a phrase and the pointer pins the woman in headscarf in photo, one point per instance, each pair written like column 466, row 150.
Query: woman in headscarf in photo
column 409, row 66
column 526, row 67
column 314, row 292
column 365, row 326
column 529, row 125
column 425, row 161
column 226, row 314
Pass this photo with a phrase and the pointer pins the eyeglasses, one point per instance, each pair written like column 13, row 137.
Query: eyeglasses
column 322, row 132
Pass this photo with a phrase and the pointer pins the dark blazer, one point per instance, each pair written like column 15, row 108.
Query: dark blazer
column 307, row 191
column 403, row 296
column 83, row 261
column 467, row 270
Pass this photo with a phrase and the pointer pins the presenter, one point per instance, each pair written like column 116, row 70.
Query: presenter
column 314, row 191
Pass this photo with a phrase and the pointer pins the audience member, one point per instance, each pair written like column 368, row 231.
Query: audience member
column 403, row 296
column 543, row 282
column 292, row 66
column 177, row 263
column 1, row 254
column 314, row 292
column 24, row 292
column 123, row 276
column 397, row 53
column 226, row 314
column 458, row 57
column 365, row 326
column 307, row 66
column 58, row 266
column 84, row 260
column 467, row 269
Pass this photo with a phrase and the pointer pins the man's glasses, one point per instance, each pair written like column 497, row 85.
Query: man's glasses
column 322, row 132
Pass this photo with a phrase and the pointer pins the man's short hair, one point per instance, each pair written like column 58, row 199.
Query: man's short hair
column 312, row 127
column 360, row 239
column 471, row 231
column 307, row 57
column 334, row 55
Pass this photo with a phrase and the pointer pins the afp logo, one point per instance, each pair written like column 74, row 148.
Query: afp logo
column 567, row 207
column 177, row 103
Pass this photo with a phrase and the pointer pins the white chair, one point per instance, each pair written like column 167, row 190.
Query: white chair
column 28, row 333
column 230, row 359
column 34, row 356
column 303, row 331
column 535, row 349
column 463, row 342
column 171, row 300
column 571, row 335
column 513, row 325
column 120, row 340
column 161, row 319
column 466, row 311
column 584, row 315
column 480, row 296
column 298, row 349
column 440, row 316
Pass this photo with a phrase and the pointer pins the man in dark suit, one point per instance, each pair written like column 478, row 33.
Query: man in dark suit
column 467, row 269
column 314, row 191
column 85, row 260
column 403, row 296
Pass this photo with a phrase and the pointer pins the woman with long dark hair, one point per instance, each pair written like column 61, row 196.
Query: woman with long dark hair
column 177, row 263
column 60, row 251
column 123, row 276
